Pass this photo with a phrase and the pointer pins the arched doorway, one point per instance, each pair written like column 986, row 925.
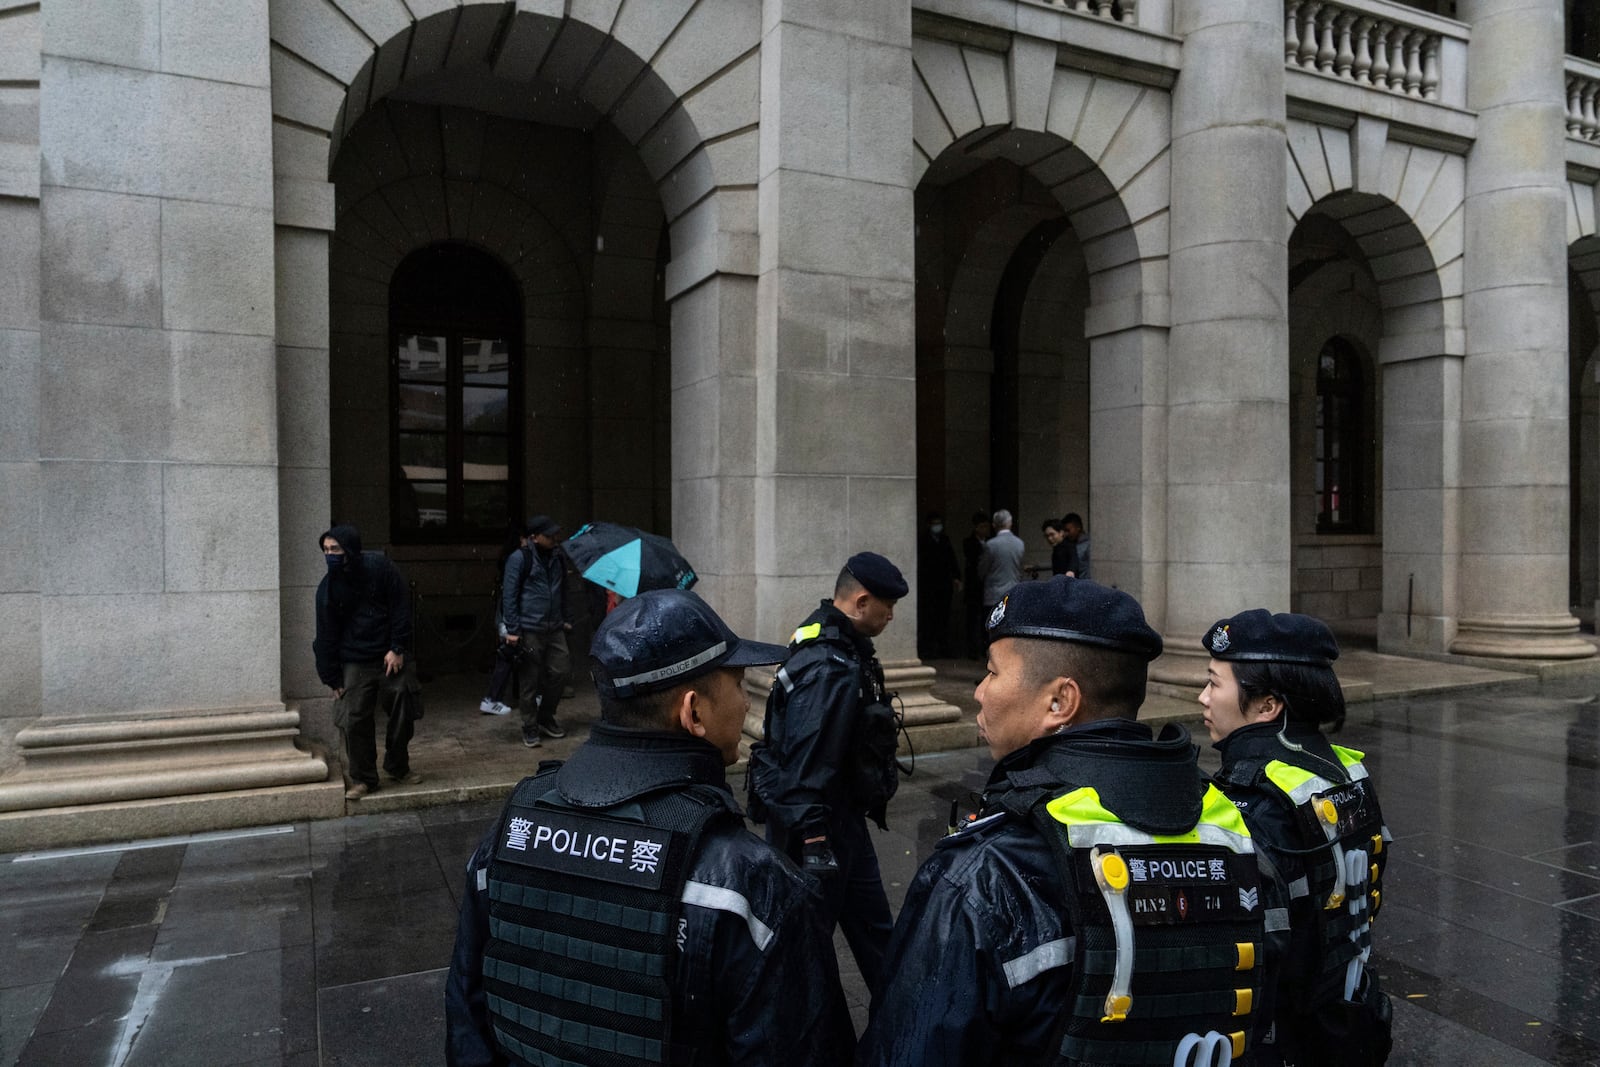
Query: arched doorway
column 594, row 162
column 1335, row 398
column 1583, row 326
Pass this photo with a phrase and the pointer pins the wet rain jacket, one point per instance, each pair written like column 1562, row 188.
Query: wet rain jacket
column 363, row 609
column 812, row 739
column 973, row 977
column 756, row 980
column 1323, row 1030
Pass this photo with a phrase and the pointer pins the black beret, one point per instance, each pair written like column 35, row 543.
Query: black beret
column 1261, row 636
column 877, row 575
column 662, row 637
column 542, row 524
column 1077, row 610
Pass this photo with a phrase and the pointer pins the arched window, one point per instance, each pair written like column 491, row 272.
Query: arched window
column 1343, row 459
column 456, row 381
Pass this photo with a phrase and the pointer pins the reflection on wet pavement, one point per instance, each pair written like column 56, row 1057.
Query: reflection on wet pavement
column 326, row 943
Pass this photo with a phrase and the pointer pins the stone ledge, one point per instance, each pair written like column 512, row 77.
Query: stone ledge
column 140, row 757
column 88, row 824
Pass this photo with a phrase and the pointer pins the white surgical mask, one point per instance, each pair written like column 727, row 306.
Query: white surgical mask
column 937, row 527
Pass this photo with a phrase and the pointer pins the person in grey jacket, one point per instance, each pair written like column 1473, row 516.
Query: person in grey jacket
column 1000, row 566
column 535, row 615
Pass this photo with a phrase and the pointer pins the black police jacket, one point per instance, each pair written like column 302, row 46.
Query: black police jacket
column 756, row 979
column 1281, row 838
column 975, row 975
column 363, row 610
column 825, row 684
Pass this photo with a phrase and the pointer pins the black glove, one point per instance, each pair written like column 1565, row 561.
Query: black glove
column 817, row 860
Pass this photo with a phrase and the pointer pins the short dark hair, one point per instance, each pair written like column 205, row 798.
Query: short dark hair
column 934, row 516
column 979, row 517
column 1311, row 695
column 647, row 711
column 1054, row 524
column 847, row 584
column 1071, row 518
column 1112, row 682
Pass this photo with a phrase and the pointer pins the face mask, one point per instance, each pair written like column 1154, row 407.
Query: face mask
column 937, row 527
column 334, row 562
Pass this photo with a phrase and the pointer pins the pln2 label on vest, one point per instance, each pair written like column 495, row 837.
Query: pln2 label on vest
column 1170, row 886
column 585, row 846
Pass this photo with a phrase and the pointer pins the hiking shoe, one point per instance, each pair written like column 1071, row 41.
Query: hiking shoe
column 551, row 728
column 494, row 707
column 357, row 791
column 530, row 736
column 409, row 778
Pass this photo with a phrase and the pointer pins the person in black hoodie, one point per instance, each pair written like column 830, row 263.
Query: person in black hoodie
column 362, row 647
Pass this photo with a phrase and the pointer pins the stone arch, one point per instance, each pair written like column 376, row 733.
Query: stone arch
column 1099, row 144
column 676, row 83
column 1101, row 147
column 679, row 81
column 1402, row 224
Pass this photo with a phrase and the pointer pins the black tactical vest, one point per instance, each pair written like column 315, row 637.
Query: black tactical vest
column 1168, row 931
column 1344, row 842
column 584, row 911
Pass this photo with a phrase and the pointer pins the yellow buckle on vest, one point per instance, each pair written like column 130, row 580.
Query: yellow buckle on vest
column 1373, row 874
column 1243, row 1001
column 1237, row 1037
column 1117, row 1008
column 1247, row 956
column 1334, row 900
column 1377, row 844
column 1327, row 811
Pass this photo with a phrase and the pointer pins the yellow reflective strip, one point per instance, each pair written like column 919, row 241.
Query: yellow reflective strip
column 809, row 632
column 1298, row 783
column 1090, row 823
column 1243, row 1001
column 1217, row 810
column 1347, row 756
column 1247, row 956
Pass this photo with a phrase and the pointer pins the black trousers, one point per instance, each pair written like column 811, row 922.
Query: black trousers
column 853, row 899
column 366, row 688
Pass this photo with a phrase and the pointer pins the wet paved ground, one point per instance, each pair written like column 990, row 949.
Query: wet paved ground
column 325, row 943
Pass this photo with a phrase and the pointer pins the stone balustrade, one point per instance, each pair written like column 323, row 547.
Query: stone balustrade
column 1583, row 87
column 1116, row 10
column 1363, row 42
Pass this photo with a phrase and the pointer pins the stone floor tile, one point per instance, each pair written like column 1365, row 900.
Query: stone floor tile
column 373, row 937
column 392, row 1020
column 100, row 981
column 20, row 1008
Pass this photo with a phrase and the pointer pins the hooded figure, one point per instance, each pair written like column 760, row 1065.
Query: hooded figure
column 361, row 646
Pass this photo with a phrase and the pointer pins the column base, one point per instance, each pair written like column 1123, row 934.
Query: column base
column 931, row 724
column 1400, row 634
column 1521, row 637
column 72, row 763
column 1183, row 663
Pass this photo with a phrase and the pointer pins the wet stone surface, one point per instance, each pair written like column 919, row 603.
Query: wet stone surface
column 326, row 943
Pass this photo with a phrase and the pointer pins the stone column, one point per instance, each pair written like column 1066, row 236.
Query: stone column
column 157, row 431
column 1514, row 417
column 835, row 469
column 1228, row 369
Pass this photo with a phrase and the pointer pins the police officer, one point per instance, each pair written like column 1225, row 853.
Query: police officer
column 1312, row 809
column 1104, row 906
column 619, row 912
column 828, row 758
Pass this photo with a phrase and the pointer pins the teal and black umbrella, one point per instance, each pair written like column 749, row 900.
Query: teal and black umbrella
column 626, row 560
